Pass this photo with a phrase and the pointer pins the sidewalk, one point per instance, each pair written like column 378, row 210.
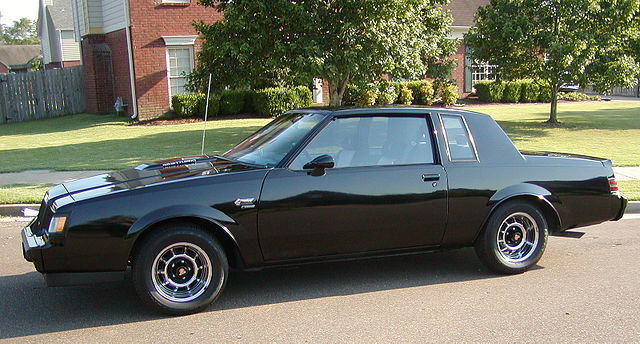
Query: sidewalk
column 44, row 176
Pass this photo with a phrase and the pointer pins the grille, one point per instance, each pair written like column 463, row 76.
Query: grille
column 44, row 215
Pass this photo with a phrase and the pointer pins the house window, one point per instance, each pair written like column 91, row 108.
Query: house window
column 179, row 62
column 176, row 1
column 483, row 72
column 179, row 65
column 475, row 71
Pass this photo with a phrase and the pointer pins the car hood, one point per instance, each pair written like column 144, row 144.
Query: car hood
column 156, row 172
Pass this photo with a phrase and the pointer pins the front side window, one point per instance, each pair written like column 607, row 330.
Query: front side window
column 371, row 141
column 459, row 143
column 179, row 65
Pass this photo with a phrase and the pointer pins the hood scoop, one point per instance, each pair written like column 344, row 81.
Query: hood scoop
column 196, row 161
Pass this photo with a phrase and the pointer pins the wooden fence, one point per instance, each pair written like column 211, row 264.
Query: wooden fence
column 41, row 94
column 619, row 91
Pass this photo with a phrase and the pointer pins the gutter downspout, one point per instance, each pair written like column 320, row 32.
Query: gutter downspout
column 132, row 78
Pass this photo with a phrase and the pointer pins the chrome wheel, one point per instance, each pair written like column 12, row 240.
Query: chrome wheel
column 181, row 272
column 517, row 237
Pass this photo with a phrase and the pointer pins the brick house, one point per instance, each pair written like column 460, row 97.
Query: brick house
column 466, row 73
column 137, row 50
column 55, row 30
column 141, row 50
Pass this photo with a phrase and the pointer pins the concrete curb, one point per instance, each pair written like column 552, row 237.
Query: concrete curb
column 15, row 210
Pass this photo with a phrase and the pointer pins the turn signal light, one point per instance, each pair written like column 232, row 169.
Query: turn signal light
column 57, row 224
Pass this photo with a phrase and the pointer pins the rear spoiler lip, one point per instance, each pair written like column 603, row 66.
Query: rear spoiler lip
column 605, row 162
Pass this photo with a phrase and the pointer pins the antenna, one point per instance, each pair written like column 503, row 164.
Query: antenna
column 206, row 112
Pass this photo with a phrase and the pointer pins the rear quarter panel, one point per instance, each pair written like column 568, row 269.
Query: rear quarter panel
column 576, row 188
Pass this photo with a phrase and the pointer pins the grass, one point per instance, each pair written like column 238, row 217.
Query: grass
column 107, row 142
column 21, row 193
column 602, row 129
column 630, row 189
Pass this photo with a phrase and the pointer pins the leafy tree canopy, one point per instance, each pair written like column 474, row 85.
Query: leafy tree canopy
column 273, row 42
column 23, row 31
column 589, row 42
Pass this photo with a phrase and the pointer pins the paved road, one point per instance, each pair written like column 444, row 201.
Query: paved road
column 583, row 290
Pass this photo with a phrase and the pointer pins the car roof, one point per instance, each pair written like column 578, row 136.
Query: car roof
column 339, row 111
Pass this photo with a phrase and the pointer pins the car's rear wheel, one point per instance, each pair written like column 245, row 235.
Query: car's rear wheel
column 514, row 238
column 179, row 269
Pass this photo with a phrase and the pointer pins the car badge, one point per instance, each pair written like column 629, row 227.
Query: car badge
column 245, row 203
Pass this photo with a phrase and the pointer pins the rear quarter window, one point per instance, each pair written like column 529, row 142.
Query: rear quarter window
column 459, row 143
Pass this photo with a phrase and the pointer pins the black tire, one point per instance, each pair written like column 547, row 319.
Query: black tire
column 179, row 254
column 514, row 238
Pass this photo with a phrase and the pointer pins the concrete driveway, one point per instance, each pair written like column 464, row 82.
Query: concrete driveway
column 583, row 290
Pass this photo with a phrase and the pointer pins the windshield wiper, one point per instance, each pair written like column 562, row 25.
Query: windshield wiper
column 238, row 161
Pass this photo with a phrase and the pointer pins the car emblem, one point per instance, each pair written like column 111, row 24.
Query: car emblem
column 245, row 203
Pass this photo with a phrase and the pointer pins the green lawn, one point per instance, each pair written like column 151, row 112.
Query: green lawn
column 630, row 189
column 107, row 142
column 602, row 129
column 96, row 142
column 20, row 193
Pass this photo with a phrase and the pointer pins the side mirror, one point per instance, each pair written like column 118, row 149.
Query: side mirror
column 320, row 162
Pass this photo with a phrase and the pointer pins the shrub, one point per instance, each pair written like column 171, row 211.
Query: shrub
column 368, row 95
column 193, row 105
column 351, row 94
column 511, row 92
column 422, row 91
column 489, row 91
column 248, row 101
column 529, row 91
column 274, row 101
column 545, row 93
column 449, row 94
column 387, row 93
column 576, row 96
column 405, row 96
column 232, row 102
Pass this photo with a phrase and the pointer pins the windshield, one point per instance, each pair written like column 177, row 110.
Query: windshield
column 269, row 145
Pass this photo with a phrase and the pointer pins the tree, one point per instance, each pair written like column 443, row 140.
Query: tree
column 559, row 41
column 23, row 31
column 263, row 42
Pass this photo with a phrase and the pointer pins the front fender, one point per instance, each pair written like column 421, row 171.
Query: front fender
column 186, row 210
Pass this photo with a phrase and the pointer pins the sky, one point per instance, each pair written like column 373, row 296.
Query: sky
column 15, row 9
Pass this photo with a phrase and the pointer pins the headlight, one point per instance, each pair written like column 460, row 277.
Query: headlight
column 57, row 224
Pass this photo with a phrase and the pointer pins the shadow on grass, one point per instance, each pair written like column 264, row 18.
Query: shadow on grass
column 604, row 119
column 36, row 309
column 124, row 153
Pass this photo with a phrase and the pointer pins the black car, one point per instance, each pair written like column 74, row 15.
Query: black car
column 317, row 185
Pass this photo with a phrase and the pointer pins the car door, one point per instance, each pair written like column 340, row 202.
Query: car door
column 386, row 191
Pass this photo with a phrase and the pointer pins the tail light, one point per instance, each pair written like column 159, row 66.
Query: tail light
column 613, row 186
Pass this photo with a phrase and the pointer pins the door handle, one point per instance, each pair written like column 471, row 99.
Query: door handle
column 430, row 177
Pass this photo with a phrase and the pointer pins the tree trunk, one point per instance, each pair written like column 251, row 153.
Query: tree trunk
column 336, row 89
column 553, row 114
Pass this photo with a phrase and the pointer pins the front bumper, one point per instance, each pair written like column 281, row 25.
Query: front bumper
column 32, row 246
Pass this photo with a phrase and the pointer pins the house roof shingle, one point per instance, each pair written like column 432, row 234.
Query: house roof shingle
column 464, row 10
column 18, row 55
column 61, row 14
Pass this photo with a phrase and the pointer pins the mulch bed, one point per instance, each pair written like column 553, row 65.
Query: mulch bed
column 170, row 119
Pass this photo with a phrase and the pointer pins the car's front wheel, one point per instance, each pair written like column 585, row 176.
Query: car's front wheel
column 514, row 238
column 179, row 269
